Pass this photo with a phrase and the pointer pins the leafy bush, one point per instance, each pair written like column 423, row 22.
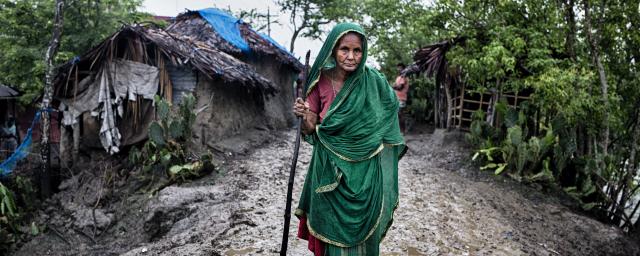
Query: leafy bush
column 166, row 148
column 514, row 151
column 541, row 159
column 420, row 100
column 17, row 199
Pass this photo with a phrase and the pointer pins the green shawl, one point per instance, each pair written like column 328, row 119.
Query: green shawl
column 351, row 187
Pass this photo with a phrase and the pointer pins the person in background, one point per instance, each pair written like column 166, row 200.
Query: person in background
column 401, row 86
column 9, row 137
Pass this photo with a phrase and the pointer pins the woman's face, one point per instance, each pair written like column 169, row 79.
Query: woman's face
column 348, row 52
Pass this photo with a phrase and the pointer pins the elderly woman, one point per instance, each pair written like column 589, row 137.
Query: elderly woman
column 350, row 118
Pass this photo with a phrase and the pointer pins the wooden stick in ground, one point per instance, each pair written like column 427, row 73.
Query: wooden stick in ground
column 294, row 161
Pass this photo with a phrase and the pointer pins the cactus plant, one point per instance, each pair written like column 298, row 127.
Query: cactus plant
column 166, row 147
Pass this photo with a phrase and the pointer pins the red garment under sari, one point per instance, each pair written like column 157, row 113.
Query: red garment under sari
column 316, row 246
column 319, row 101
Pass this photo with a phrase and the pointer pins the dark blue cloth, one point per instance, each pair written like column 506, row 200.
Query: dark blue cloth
column 21, row 152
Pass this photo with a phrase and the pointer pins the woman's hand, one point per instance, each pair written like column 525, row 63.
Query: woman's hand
column 309, row 118
column 300, row 107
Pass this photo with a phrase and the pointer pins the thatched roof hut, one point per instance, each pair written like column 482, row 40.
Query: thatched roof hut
column 8, row 98
column 432, row 62
column 453, row 102
column 153, row 45
column 107, row 92
column 195, row 25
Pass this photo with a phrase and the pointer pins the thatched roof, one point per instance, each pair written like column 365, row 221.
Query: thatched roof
column 144, row 44
column 431, row 60
column 193, row 25
column 7, row 92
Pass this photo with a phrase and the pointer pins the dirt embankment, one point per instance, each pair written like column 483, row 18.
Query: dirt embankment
column 446, row 208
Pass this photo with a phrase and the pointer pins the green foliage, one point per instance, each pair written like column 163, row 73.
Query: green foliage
column 156, row 134
column 17, row 199
column 481, row 134
column 421, row 98
column 26, row 28
column 566, row 145
column 8, row 218
column 395, row 29
column 516, row 152
column 169, row 136
column 309, row 16
column 7, row 203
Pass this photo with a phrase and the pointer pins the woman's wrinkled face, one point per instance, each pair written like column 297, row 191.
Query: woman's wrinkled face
column 348, row 52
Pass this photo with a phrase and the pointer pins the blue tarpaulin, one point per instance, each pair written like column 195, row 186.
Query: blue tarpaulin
column 227, row 27
column 21, row 152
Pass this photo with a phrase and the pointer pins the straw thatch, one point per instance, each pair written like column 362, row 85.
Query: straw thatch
column 153, row 46
column 191, row 24
column 431, row 60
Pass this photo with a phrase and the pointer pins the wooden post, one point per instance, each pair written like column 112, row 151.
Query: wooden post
column 449, row 106
column 15, row 120
column 462, row 92
column 436, row 109
column 45, row 178
column 77, row 131
column 268, row 21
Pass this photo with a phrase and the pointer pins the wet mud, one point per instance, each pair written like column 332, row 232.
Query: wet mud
column 446, row 208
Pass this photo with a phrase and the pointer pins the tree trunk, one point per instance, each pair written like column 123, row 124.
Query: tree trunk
column 293, row 39
column 570, row 18
column 45, row 177
column 570, row 42
column 603, row 79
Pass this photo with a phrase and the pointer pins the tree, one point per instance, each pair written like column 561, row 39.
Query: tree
column 308, row 16
column 25, row 30
column 52, row 50
column 589, row 77
column 579, row 57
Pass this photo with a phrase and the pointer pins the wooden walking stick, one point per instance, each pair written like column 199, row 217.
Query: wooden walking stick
column 294, row 161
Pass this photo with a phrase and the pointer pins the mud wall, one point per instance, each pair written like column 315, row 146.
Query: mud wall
column 278, row 107
column 227, row 109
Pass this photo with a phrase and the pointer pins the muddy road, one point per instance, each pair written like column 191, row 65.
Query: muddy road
column 446, row 208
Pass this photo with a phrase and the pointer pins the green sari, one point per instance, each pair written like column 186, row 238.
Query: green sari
column 351, row 188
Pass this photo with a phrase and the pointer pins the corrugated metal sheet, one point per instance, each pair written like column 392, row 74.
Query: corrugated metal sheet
column 184, row 81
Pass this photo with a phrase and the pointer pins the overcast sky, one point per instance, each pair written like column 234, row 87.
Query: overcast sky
column 281, row 33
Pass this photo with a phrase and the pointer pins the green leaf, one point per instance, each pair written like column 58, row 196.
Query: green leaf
column 165, row 157
column 489, row 166
column 514, row 135
column 34, row 229
column 523, row 155
column 176, row 129
column 163, row 109
column 589, row 206
column 500, row 169
column 156, row 133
